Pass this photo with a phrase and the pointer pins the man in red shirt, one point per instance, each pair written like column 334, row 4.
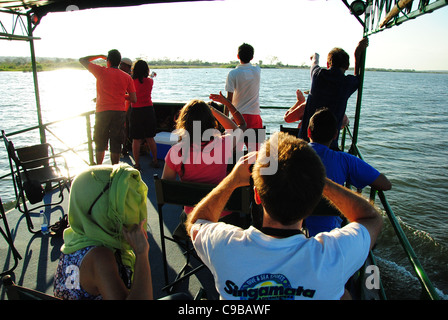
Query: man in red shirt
column 113, row 87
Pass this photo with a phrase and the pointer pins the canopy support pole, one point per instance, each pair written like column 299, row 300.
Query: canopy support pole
column 359, row 100
column 43, row 138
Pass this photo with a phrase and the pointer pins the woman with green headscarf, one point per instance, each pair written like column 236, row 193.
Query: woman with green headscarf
column 105, row 251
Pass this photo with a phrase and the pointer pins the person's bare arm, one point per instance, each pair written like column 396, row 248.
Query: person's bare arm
column 137, row 237
column 314, row 59
column 360, row 51
column 99, row 270
column 381, row 183
column 86, row 60
column 132, row 97
column 355, row 208
column 168, row 173
column 226, row 122
column 295, row 113
column 230, row 98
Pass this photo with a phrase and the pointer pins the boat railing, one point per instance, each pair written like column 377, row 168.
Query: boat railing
column 428, row 290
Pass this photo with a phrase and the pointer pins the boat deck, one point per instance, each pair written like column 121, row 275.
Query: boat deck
column 40, row 253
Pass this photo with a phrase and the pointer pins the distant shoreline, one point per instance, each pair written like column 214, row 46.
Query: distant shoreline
column 22, row 64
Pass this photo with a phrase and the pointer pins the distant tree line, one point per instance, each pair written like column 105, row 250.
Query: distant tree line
column 24, row 64
column 204, row 64
column 46, row 64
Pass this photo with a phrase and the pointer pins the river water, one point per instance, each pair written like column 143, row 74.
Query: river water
column 403, row 133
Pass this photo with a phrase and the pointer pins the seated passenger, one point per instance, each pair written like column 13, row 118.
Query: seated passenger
column 278, row 261
column 341, row 167
column 105, row 250
column 203, row 153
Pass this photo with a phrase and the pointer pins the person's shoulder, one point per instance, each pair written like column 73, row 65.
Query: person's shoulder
column 351, row 77
column 318, row 146
column 352, row 232
column 350, row 157
column 256, row 68
column 317, row 70
column 99, row 257
column 216, row 226
column 233, row 71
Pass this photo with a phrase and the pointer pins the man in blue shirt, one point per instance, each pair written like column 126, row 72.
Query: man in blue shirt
column 331, row 87
column 341, row 167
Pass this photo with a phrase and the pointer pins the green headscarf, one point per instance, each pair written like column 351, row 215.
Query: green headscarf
column 122, row 204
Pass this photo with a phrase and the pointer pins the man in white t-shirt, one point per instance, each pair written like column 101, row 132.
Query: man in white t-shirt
column 243, row 87
column 278, row 261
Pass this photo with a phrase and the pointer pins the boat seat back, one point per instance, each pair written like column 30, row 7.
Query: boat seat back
column 190, row 194
column 16, row 292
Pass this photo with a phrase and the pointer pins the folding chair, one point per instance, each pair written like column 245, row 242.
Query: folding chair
column 16, row 292
column 291, row 131
column 189, row 194
column 6, row 233
column 32, row 167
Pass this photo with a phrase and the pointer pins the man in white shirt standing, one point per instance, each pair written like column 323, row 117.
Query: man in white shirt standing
column 278, row 261
column 243, row 87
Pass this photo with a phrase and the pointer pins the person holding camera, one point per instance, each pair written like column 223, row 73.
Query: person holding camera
column 278, row 261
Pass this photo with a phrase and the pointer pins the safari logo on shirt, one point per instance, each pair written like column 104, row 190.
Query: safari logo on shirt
column 267, row 287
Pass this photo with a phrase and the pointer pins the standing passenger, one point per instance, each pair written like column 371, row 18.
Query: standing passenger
column 243, row 87
column 295, row 113
column 331, row 88
column 126, row 65
column 143, row 117
column 113, row 87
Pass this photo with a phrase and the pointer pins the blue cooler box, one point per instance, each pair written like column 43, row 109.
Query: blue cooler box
column 164, row 141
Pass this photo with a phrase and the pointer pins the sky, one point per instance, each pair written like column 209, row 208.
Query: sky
column 288, row 31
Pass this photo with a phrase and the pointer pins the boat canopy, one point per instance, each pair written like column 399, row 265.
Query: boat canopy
column 373, row 15
column 44, row 7
column 38, row 9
